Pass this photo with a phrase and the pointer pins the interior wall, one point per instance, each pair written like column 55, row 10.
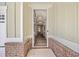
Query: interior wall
column 27, row 16
column 2, row 3
column 10, row 19
column 78, row 21
column 18, row 15
column 63, row 21
column 13, row 19
column 27, row 21
column 51, row 21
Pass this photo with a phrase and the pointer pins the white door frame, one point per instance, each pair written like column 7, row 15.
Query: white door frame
column 33, row 26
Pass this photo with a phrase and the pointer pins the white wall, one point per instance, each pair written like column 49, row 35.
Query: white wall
column 2, row 3
column 27, row 16
column 13, row 19
column 18, row 19
column 13, row 22
column 63, row 21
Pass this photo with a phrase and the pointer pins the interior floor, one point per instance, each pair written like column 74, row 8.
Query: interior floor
column 40, row 41
column 41, row 53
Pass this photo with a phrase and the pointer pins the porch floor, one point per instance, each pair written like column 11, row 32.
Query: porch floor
column 44, row 52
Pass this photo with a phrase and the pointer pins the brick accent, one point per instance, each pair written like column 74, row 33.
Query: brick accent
column 60, row 50
column 14, row 49
column 17, row 49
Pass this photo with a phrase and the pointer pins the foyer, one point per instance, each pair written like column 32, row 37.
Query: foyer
column 39, row 29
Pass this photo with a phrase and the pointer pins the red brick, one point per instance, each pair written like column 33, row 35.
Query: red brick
column 60, row 50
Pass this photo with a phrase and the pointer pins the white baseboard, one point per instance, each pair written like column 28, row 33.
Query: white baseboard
column 14, row 40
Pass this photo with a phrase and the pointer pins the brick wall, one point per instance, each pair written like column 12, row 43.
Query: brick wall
column 27, row 46
column 14, row 49
column 17, row 49
column 60, row 50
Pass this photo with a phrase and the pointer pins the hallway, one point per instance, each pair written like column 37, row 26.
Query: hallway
column 43, row 52
column 40, row 41
column 39, row 29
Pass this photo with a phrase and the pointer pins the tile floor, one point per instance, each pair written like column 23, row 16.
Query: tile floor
column 41, row 53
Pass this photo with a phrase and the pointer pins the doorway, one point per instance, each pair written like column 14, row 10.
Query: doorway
column 40, row 27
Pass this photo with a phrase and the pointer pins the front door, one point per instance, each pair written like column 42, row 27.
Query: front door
column 40, row 27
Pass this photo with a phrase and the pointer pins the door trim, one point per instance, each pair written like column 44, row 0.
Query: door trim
column 33, row 27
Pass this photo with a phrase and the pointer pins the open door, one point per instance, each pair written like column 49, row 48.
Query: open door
column 40, row 27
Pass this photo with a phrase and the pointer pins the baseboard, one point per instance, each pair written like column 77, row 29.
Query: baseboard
column 14, row 40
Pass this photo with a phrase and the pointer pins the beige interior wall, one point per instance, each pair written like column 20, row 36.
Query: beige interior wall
column 71, row 22
column 27, row 16
column 27, row 20
column 51, row 21
column 63, row 21
column 13, row 19
column 78, row 21
column 18, row 15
